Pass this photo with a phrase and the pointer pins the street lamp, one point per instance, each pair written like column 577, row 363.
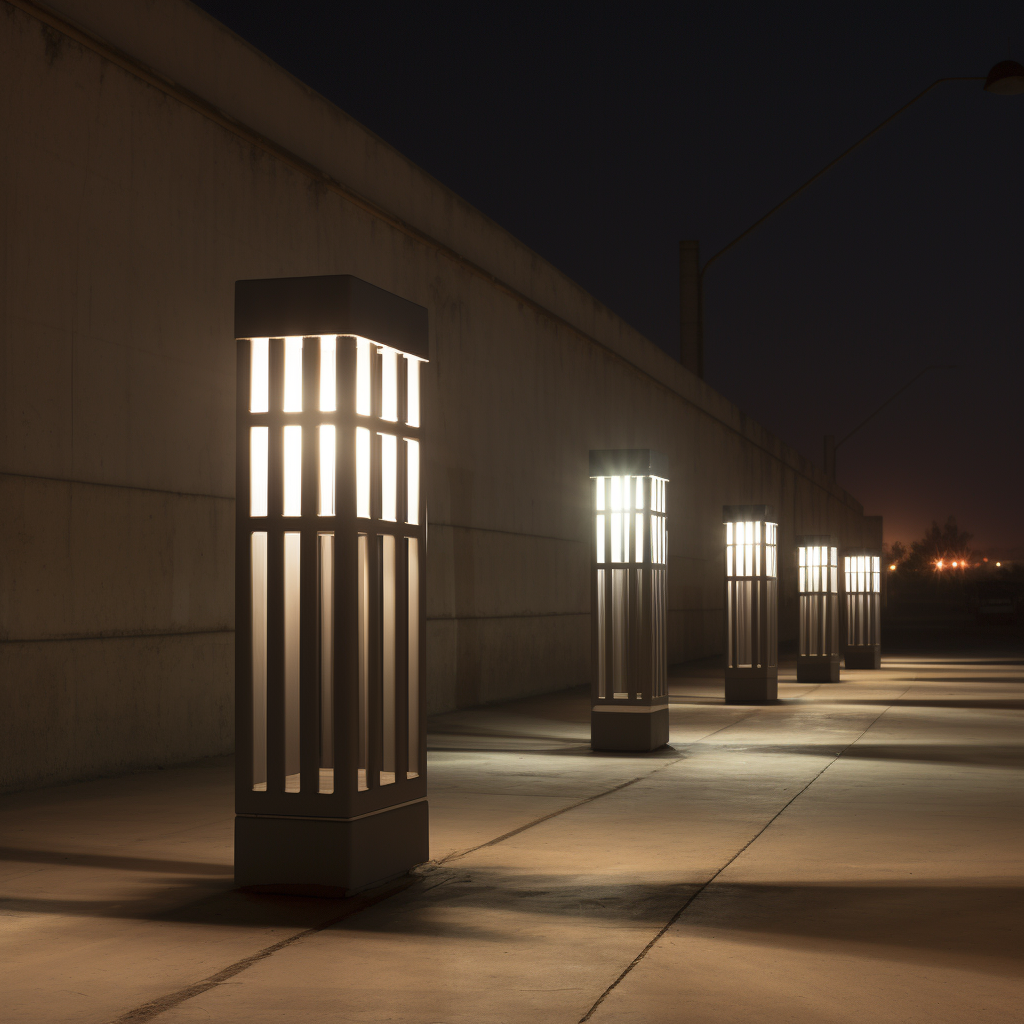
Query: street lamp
column 818, row 588
column 629, row 708
column 1005, row 79
column 862, row 585
column 329, row 609
column 751, row 604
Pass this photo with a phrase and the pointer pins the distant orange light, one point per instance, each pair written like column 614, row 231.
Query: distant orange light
column 891, row 567
column 954, row 565
column 938, row 564
column 999, row 563
column 984, row 559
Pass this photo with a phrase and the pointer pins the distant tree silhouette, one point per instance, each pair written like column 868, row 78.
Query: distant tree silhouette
column 947, row 542
column 895, row 552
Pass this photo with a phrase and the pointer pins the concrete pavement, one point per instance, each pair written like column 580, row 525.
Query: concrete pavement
column 852, row 853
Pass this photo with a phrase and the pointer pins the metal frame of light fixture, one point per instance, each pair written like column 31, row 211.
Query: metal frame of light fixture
column 330, row 586
column 751, row 604
column 629, row 597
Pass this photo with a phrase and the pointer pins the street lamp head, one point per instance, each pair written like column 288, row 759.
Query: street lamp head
column 1006, row 78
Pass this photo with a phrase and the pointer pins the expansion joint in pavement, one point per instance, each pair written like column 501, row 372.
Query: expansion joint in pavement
column 704, row 885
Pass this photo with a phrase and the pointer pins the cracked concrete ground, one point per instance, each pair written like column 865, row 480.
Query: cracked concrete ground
column 852, row 853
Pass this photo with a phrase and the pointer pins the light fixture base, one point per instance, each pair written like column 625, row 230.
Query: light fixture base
column 817, row 669
column 638, row 730
column 329, row 856
column 753, row 686
column 868, row 656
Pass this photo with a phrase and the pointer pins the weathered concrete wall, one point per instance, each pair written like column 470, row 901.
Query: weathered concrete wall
column 150, row 159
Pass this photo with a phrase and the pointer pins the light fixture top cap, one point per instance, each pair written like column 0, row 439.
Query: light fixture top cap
column 1006, row 79
column 282, row 307
column 628, row 462
column 748, row 513
column 816, row 540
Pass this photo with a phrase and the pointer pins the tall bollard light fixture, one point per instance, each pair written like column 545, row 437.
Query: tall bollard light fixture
column 862, row 583
column 330, row 547
column 751, row 604
column 818, row 587
column 629, row 710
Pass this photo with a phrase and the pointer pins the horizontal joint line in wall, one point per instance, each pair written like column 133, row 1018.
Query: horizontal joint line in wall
column 250, row 136
column 509, row 533
column 115, row 636
column 118, row 487
column 521, row 615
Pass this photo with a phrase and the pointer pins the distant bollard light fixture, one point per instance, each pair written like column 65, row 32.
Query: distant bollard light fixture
column 751, row 604
column 329, row 657
column 862, row 585
column 629, row 710
column 818, row 588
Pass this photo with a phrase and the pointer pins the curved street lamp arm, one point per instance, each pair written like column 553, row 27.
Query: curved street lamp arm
column 829, row 166
column 892, row 398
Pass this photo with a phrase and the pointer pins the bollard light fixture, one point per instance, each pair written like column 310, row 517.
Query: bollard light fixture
column 818, row 589
column 629, row 596
column 751, row 604
column 862, row 586
column 330, row 547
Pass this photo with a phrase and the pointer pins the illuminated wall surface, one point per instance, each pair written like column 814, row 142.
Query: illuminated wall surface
column 134, row 202
column 331, row 694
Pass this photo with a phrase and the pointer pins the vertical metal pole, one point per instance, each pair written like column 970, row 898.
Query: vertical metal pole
column 691, row 308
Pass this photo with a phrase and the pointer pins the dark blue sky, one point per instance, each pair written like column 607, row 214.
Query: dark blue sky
column 602, row 133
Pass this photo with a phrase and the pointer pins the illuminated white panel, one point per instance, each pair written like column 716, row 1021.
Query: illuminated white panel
column 414, row 659
column 639, row 492
column 388, row 477
column 600, row 494
column 412, row 481
column 363, row 655
column 325, row 556
column 388, row 599
column 364, row 397
column 292, row 553
column 259, row 661
column 328, row 375
column 292, row 471
column 616, row 536
column 259, row 383
column 293, row 375
column 412, row 391
column 327, row 443
column 639, row 537
column 259, row 440
column 389, row 384
column 362, row 473
column 600, row 538
column 615, row 496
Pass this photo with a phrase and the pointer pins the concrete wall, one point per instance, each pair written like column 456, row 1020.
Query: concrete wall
column 149, row 159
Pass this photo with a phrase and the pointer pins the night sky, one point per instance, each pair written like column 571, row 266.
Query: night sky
column 601, row 134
